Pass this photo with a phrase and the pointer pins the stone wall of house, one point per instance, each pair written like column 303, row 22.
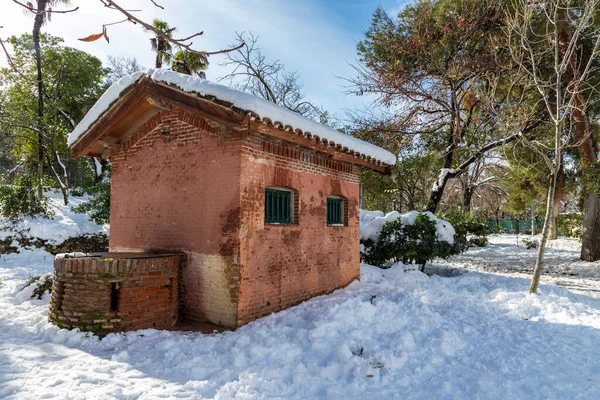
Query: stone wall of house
column 175, row 186
column 115, row 293
column 282, row 265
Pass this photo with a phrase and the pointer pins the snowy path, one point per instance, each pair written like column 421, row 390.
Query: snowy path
column 508, row 256
column 394, row 335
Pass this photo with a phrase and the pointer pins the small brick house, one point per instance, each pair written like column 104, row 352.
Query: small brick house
column 263, row 202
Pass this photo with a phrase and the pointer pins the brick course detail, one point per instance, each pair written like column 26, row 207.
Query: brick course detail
column 115, row 292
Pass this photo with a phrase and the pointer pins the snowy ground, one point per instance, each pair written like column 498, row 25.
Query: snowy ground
column 393, row 335
column 64, row 223
column 508, row 255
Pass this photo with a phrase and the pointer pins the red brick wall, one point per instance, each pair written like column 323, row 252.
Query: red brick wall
column 175, row 186
column 145, row 290
column 183, row 184
column 283, row 265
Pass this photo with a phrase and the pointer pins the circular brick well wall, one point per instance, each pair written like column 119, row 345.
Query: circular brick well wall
column 115, row 292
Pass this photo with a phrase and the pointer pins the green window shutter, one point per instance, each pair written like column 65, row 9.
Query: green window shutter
column 278, row 206
column 335, row 211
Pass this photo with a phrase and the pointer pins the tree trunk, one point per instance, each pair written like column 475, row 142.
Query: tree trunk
column 37, row 26
column 590, row 247
column 558, row 194
column 438, row 190
column 436, row 194
column 539, row 262
column 158, row 61
column 100, row 173
column 556, row 167
column 467, row 198
column 63, row 188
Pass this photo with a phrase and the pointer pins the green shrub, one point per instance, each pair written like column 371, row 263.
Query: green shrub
column 474, row 228
column 478, row 241
column 570, row 225
column 411, row 244
column 98, row 207
column 42, row 286
column 30, row 281
column 21, row 201
column 77, row 191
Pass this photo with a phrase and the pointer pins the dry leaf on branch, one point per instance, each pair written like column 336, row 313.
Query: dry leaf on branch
column 92, row 38
column 96, row 36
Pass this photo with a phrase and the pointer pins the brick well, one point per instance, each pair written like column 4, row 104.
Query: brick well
column 115, row 292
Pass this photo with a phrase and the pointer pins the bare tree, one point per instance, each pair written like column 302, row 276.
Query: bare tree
column 254, row 73
column 121, row 66
column 490, row 200
column 544, row 55
column 480, row 176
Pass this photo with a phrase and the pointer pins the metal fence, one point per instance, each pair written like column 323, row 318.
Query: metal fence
column 509, row 225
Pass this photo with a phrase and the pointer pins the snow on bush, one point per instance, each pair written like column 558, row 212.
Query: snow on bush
column 36, row 287
column 371, row 223
column 414, row 237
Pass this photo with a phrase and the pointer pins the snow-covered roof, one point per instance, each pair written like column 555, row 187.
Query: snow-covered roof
column 257, row 107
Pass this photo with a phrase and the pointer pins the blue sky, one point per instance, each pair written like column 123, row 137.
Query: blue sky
column 316, row 38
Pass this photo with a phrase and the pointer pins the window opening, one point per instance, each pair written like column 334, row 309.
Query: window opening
column 335, row 211
column 278, row 206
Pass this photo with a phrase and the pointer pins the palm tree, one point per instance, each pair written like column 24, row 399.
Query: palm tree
column 187, row 62
column 162, row 47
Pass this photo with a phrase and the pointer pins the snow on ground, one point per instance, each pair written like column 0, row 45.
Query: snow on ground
column 395, row 334
column 507, row 254
column 65, row 222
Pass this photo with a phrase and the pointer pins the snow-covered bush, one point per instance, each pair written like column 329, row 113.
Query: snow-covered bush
column 413, row 238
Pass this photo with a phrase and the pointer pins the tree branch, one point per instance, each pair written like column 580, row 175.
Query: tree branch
column 133, row 19
column 10, row 60
column 157, row 5
column 498, row 143
column 35, row 11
